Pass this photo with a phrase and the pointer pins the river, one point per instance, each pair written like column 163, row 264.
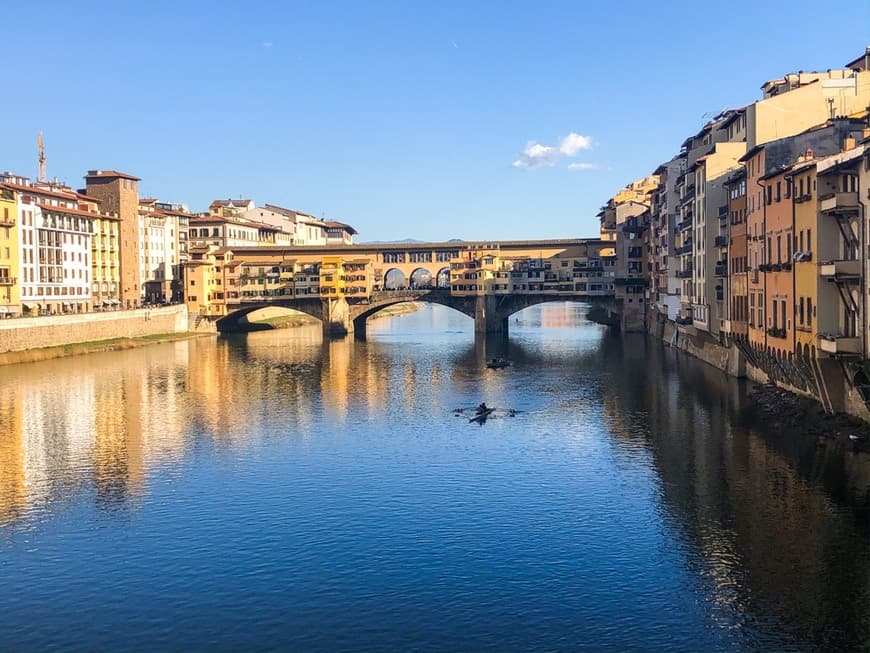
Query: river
column 276, row 492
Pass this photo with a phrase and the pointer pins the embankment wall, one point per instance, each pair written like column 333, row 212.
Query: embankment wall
column 54, row 331
column 825, row 380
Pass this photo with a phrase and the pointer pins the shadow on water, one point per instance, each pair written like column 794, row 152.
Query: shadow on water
column 780, row 521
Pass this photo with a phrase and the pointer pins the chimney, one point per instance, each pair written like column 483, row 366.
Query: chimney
column 809, row 153
column 848, row 143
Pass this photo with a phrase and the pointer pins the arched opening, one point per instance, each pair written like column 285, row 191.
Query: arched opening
column 443, row 279
column 274, row 317
column 259, row 318
column 395, row 279
column 421, row 279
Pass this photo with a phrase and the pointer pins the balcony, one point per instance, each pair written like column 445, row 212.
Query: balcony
column 840, row 270
column 685, row 224
column 723, row 212
column 776, row 332
column 684, row 320
column 832, row 343
column 684, row 274
column 839, row 203
column 8, row 281
column 721, row 269
column 631, row 281
column 721, row 241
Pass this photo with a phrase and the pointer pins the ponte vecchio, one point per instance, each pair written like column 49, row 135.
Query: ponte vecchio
column 343, row 285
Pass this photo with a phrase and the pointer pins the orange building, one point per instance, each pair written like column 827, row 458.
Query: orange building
column 779, row 275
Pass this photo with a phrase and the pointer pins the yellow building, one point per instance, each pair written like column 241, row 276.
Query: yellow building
column 209, row 276
column 474, row 272
column 105, row 262
column 10, row 290
column 639, row 190
column 331, row 277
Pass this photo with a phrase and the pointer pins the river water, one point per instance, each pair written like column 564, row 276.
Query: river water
column 275, row 492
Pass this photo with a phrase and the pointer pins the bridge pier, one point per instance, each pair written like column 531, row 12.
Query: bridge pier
column 337, row 321
column 486, row 316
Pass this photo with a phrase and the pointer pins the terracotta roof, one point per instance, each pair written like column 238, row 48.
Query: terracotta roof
column 89, row 214
column 71, row 196
column 109, row 174
column 290, row 213
column 734, row 116
column 332, row 224
column 239, row 203
column 751, row 153
column 776, row 172
column 204, row 219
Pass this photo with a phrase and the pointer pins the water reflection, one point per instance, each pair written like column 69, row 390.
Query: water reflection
column 634, row 489
column 780, row 522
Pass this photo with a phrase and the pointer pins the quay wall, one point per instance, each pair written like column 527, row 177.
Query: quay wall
column 824, row 380
column 53, row 331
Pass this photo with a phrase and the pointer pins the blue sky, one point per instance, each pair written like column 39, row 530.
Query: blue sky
column 405, row 119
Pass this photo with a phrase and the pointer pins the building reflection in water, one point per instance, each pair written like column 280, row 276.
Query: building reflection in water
column 773, row 515
column 763, row 520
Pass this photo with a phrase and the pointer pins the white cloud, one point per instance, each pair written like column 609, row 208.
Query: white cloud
column 267, row 44
column 536, row 155
column 584, row 166
column 573, row 143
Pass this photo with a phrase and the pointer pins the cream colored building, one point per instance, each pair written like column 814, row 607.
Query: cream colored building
column 54, row 245
column 797, row 101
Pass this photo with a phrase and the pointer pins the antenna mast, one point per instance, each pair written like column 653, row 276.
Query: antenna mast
column 41, row 157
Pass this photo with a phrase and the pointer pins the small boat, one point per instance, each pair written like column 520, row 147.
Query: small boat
column 482, row 415
column 497, row 363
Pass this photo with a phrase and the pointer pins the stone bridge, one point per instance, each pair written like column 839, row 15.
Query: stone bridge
column 491, row 313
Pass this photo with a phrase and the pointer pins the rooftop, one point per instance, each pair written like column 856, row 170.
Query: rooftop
column 109, row 174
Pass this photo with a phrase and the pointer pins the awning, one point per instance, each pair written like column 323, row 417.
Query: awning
column 115, row 302
column 3, row 309
column 30, row 307
column 107, row 302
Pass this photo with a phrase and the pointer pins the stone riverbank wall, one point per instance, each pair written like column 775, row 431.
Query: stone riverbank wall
column 31, row 333
column 838, row 386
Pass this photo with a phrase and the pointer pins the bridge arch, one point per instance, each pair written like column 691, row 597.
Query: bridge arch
column 420, row 279
column 233, row 322
column 442, row 279
column 361, row 312
column 395, row 279
column 512, row 304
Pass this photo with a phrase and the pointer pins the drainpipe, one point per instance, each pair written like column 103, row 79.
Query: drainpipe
column 763, row 255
